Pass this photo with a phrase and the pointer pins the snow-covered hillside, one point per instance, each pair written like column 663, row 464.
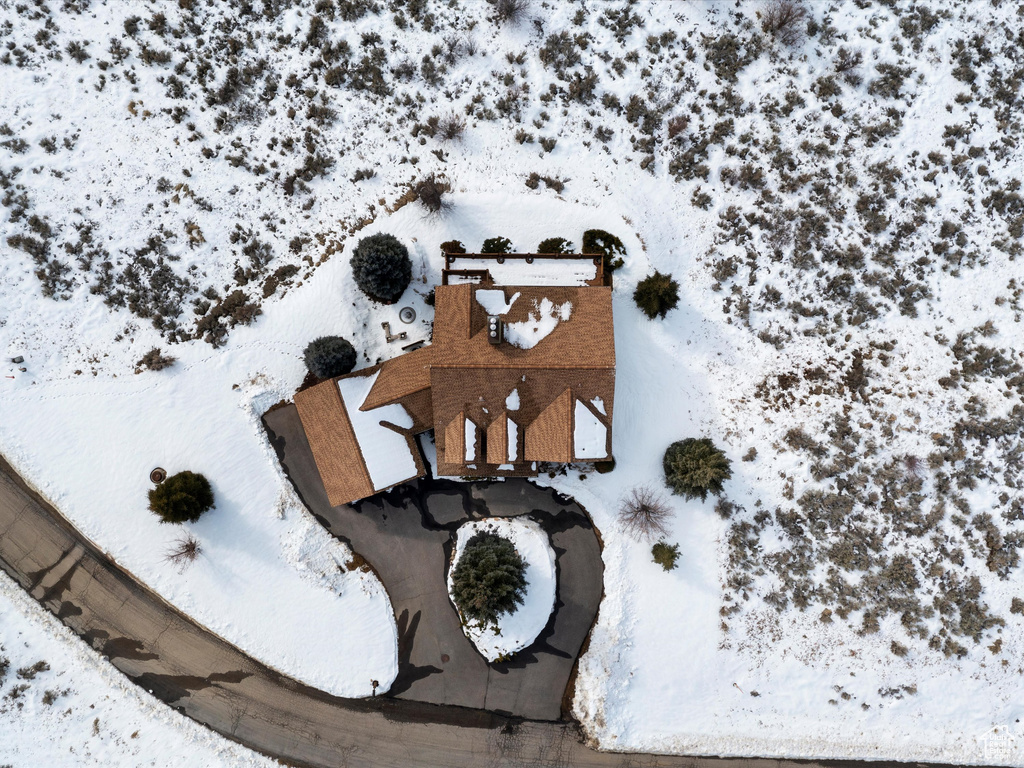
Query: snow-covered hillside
column 840, row 207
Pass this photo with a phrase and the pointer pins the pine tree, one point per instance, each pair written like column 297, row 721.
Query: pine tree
column 181, row 498
column 381, row 267
column 489, row 579
column 695, row 467
column 656, row 295
column 329, row 356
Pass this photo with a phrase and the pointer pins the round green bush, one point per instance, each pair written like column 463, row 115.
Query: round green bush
column 381, row 267
column 597, row 242
column 555, row 245
column 181, row 498
column 695, row 467
column 656, row 295
column 496, row 245
column 489, row 579
column 329, row 356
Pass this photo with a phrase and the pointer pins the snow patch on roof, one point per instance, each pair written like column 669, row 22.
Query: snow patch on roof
column 589, row 436
column 385, row 452
column 598, row 404
column 538, row 325
column 513, row 440
column 493, row 300
column 470, row 440
column 512, row 401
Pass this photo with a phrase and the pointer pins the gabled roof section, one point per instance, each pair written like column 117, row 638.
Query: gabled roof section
column 455, row 440
column 401, row 377
column 333, row 442
column 549, row 436
column 497, row 440
column 358, row 453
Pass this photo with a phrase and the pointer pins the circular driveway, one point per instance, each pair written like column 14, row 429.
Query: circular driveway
column 407, row 536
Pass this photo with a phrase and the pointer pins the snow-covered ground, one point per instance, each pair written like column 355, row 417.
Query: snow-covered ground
column 846, row 236
column 518, row 629
column 60, row 705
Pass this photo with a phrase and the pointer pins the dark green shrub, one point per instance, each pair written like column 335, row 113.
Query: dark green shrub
column 381, row 267
column 597, row 242
column 489, row 579
column 665, row 555
column 181, row 498
column 555, row 245
column 656, row 295
column 694, row 467
column 496, row 245
column 329, row 356
column 453, row 246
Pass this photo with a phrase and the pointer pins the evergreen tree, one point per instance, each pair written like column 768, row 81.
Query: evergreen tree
column 329, row 356
column 381, row 267
column 656, row 295
column 489, row 579
column 181, row 498
column 695, row 467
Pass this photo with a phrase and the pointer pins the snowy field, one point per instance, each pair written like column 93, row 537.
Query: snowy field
column 518, row 629
column 842, row 213
column 60, row 705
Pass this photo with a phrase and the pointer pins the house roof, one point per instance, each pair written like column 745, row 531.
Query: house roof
column 582, row 341
column 496, row 409
column 357, row 452
column 400, row 377
column 333, row 442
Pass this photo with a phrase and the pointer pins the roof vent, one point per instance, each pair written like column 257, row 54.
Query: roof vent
column 495, row 329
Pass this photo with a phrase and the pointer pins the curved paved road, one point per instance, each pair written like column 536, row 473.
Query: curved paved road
column 407, row 535
column 214, row 683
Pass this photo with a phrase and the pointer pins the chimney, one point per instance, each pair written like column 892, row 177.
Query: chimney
column 495, row 329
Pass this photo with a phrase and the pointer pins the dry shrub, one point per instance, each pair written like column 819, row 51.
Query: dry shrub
column 431, row 191
column 510, row 11
column 676, row 125
column 783, row 21
column 644, row 514
column 451, row 128
column 184, row 552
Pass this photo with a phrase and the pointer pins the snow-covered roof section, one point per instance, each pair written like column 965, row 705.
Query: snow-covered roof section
column 538, row 325
column 470, row 441
column 520, row 271
column 589, row 436
column 493, row 300
column 385, row 452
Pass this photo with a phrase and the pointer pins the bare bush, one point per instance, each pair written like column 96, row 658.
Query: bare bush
column 510, row 11
column 184, row 552
column 452, row 127
column 676, row 125
column 847, row 63
column 431, row 191
column 154, row 360
column 783, row 21
column 913, row 465
column 644, row 514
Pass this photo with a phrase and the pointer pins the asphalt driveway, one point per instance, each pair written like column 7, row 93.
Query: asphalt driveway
column 407, row 536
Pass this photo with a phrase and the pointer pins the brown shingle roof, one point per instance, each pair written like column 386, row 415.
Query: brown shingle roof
column 455, row 440
column 400, row 377
column 462, row 376
column 585, row 340
column 549, row 436
column 497, row 440
column 333, row 443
